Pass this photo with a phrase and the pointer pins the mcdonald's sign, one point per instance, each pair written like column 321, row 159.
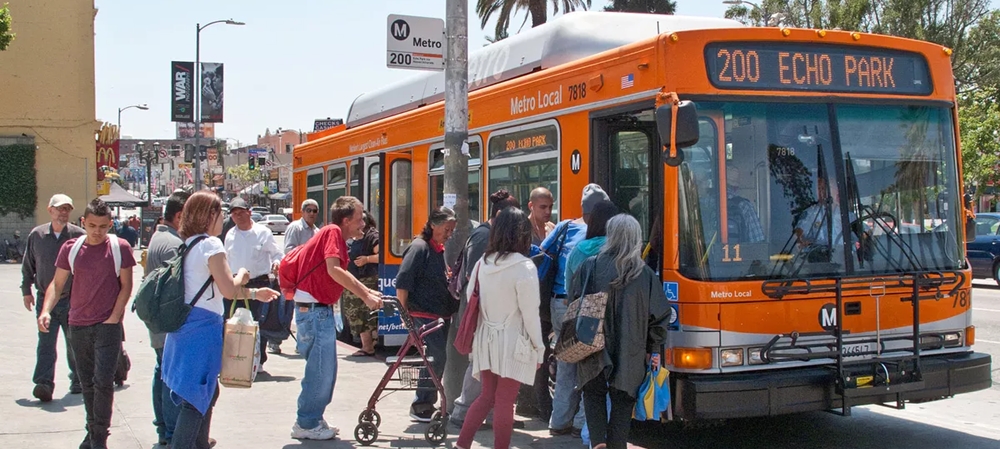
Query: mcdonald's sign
column 107, row 156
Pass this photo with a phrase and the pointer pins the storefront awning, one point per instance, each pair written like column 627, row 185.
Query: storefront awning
column 281, row 196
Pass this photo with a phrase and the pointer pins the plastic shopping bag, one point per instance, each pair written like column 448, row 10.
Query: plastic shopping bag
column 653, row 398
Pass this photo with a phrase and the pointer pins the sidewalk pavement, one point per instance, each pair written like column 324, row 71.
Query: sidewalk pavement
column 259, row 417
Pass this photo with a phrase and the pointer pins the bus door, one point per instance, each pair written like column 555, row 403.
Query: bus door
column 390, row 195
column 625, row 159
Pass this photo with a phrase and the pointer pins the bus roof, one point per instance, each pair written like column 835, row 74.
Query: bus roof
column 567, row 38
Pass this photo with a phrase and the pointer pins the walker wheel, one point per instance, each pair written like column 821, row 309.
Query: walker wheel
column 366, row 433
column 436, row 433
column 371, row 416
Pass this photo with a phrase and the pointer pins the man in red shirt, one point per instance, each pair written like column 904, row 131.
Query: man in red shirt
column 102, row 283
column 315, row 291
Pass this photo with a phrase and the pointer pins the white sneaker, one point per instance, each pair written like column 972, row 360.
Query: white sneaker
column 335, row 430
column 321, row 432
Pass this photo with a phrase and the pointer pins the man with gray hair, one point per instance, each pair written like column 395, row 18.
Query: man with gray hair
column 300, row 231
column 37, row 269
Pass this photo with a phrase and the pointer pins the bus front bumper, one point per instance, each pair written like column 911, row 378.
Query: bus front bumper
column 766, row 393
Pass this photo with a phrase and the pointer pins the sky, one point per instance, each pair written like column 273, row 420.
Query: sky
column 293, row 62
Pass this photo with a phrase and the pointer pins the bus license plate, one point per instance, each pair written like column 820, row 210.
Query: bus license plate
column 858, row 350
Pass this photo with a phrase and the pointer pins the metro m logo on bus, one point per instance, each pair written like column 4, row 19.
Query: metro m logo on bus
column 828, row 317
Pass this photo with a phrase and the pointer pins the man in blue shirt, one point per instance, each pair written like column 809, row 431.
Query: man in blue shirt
column 567, row 415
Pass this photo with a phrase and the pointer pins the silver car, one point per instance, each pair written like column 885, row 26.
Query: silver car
column 276, row 223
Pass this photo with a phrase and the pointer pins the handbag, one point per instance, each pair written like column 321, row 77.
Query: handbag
column 583, row 326
column 470, row 319
column 548, row 267
column 653, row 398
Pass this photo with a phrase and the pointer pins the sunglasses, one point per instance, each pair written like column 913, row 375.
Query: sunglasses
column 311, row 211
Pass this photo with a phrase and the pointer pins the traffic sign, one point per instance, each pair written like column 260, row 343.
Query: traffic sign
column 415, row 42
column 163, row 153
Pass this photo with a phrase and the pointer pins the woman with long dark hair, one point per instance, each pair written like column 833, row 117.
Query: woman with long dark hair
column 508, row 346
column 422, row 287
column 193, row 353
column 636, row 317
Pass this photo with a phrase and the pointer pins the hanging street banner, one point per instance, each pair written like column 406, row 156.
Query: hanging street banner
column 211, row 92
column 186, row 130
column 181, row 91
column 107, row 150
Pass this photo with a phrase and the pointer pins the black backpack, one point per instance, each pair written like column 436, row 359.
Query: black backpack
column 159, row 302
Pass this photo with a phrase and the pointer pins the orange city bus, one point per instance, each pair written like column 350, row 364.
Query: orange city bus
column 806, row 216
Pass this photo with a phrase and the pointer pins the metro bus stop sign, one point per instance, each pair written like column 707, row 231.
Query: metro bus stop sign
column 415, row 43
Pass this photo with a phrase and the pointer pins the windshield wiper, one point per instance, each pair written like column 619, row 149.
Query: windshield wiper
column 879, row 218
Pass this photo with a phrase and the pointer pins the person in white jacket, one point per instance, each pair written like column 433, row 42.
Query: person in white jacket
column 507, row 347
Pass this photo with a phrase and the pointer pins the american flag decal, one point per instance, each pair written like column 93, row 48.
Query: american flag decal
column 628, row 81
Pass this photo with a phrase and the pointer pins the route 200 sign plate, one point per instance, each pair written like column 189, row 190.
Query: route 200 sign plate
column 415, row 43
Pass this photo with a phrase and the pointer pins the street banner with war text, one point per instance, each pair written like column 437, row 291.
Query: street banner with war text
column 211, row 92
column 181, row 91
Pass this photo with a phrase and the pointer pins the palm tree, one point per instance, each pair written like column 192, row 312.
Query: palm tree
column 537, row 9
column 646, row 6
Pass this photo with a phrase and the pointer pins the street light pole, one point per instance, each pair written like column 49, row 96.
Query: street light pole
column 197, row 97
column 141, row 107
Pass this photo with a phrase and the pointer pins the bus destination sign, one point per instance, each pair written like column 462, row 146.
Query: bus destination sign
column 816, row 67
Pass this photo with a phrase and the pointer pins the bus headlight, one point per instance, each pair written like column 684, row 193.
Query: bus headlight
column 731, row 357
column 953, row 339
column 754, row 357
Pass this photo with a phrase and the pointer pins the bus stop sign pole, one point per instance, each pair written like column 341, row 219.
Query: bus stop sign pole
column 456, row 119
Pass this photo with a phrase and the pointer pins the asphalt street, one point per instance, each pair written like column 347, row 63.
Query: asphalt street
column 261, row 417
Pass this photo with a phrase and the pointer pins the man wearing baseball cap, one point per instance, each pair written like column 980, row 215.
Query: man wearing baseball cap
column 38, row 269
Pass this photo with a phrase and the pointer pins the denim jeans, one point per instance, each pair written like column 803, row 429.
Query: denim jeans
column 45, row 355
column 566, row 410
column 164, row 409
column 471, row 389
column 317, row 343
column 436, row 343
column 193, row 427
column 97, row 348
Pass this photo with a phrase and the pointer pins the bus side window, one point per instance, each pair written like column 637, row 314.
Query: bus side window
column 401, row 211
column 315, row 191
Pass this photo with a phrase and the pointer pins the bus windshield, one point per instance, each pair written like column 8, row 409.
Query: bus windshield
column 791, row 191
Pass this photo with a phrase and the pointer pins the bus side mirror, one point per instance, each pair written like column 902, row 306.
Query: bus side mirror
column 687, row 130
column 970, row 218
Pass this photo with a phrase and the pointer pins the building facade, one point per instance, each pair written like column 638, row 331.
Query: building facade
column 281, row 141
column 48, row 101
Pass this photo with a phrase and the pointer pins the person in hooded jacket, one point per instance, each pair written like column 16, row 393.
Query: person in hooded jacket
column 636, row 317
column 507, row 347
column 597, row 231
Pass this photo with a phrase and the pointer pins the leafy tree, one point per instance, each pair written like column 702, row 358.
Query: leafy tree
column 242, row 176
column 827, row 14
column 980, row 123
column 537, row 10
column 6, row 36
column 646, row 6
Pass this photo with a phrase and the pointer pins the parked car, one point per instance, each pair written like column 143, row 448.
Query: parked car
column 276, row 223
column 260, row 210
column 984, row 251
column 256, row 217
